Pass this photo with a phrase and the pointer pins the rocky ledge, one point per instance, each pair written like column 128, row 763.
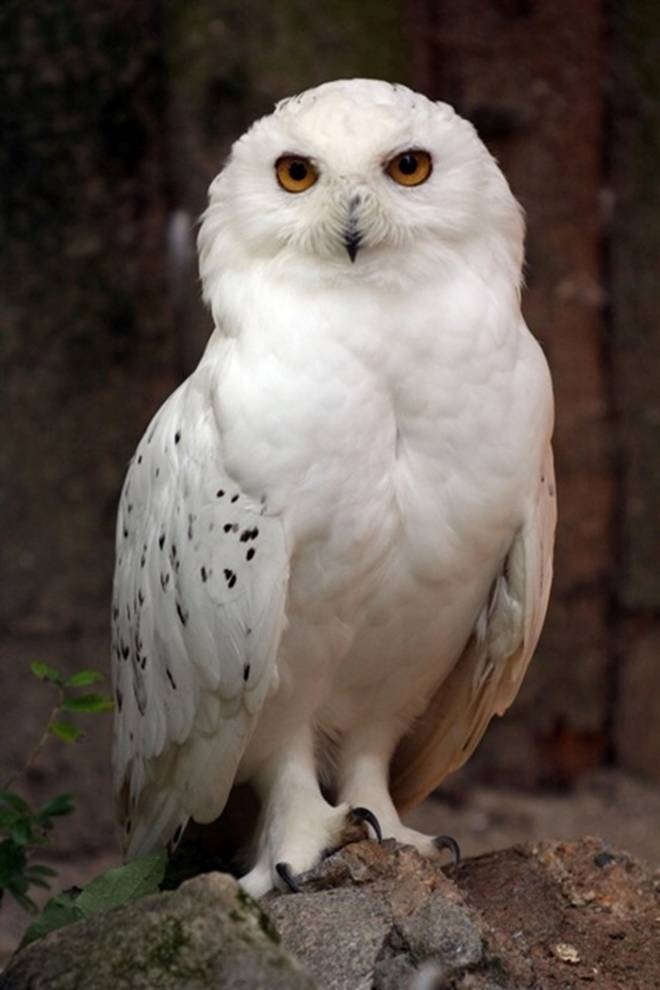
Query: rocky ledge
column 551, row 915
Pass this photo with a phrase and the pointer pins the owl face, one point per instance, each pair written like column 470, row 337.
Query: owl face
column 357, row 176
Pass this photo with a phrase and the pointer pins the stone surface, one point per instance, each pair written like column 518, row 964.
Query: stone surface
column 637, row 737
column 635, row 260
column 568, row 915
column 549, row 915
column 86, row 349
column 624, row 811
column 635, row 358
column 543, row 916
column 205, row 936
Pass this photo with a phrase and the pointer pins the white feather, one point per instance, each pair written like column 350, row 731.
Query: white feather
column 380, row 426
column 189, row 607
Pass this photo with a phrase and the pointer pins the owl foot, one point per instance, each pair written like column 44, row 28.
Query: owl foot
column 447, row 842
column 283, row 870
column 429, row 846
column 364, row 815
column 390, row 825
column 355, row 830
column 286, row 853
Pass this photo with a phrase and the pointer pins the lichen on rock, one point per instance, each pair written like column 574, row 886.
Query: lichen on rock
column 377, row 917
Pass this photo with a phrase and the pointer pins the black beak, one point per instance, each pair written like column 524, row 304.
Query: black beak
column 352, row 241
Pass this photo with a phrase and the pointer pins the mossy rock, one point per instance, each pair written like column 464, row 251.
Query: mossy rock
column 207, row 934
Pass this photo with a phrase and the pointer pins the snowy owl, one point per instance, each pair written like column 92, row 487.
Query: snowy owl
column 334, row 544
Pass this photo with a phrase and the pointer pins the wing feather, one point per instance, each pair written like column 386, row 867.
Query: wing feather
column 198, row 612
column 489, row 672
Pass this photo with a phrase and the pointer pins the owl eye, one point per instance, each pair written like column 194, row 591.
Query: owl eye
column 410, row 168
column 294, row 173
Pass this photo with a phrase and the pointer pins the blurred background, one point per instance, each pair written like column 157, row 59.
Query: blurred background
column 114, row 117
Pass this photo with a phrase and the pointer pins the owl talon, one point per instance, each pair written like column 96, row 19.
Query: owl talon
column 364, row 815
column 446, row 842
column 284, row 872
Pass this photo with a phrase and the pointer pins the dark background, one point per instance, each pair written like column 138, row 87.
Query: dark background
column 114, row 117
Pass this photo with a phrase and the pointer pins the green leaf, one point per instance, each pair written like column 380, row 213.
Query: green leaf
column 88, row 703
column 60, row 805
column 12, row 863
column 123, row 884
column 39, row 870
column 37, row 881
column 84, row 678
column 22, row 832
column 46, row 673
column 26, row 902
column 66, row 731
column 15, row 802
column 58, row 912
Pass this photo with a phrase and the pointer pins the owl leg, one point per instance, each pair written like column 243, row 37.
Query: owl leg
column 297, row 826
column 362, row 778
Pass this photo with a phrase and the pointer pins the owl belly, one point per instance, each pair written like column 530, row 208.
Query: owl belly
column 397, row 471
column 382, row 602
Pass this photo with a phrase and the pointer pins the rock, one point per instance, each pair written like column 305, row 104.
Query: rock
column 444, row 931
column 379, row 917
column 568, row 914
column 207, row 934
column 380, row 912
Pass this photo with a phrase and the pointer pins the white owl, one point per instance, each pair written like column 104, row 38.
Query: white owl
column 334, row 545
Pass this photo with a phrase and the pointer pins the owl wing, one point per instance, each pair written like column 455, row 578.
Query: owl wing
column 198, row 612
column 488, row 674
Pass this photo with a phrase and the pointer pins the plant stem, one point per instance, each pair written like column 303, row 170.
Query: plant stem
column 36, row 752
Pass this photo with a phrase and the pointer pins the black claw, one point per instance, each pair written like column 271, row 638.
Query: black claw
column 284, row 871
column 446, row 842
column 364, row 815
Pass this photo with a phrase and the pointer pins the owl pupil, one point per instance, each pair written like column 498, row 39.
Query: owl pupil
column 408, row 164
column 298, row 171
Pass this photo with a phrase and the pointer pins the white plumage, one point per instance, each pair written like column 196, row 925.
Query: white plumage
column 335, row 539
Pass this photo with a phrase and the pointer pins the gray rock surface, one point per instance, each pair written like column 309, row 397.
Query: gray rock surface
column 534, row 917
column 550, row 915
column 206, row 934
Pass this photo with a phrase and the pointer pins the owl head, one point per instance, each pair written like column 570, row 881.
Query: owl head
column 357, row 180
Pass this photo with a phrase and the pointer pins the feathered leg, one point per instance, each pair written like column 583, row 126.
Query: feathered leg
column 297, row 826
column 363, row 780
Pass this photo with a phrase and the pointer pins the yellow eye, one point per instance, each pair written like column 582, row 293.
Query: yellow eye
column 410, row 168
column 295, row 174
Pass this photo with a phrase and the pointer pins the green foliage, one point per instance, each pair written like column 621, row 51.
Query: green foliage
column 59, row 911
column 24, row 829
column 66, row 731
column 87, row 703
column 110, row 890
column 123, row 884
column 46, row 673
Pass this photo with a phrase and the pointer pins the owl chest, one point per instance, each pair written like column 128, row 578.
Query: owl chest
column 375, row 431
column 399, row 516
column 381, row 485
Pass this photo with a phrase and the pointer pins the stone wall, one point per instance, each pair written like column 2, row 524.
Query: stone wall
column 634, row 364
